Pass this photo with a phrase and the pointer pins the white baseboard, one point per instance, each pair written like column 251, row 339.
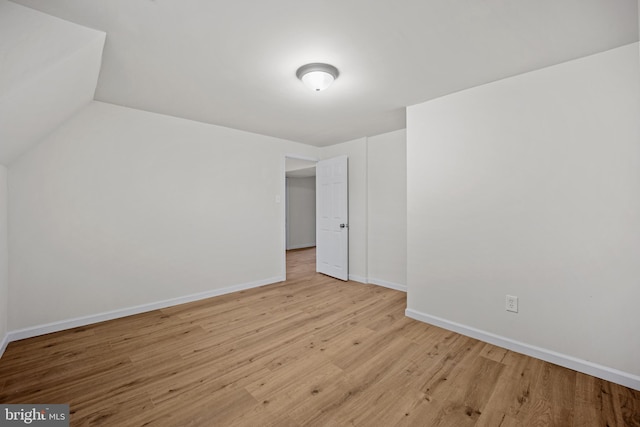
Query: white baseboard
column 378, row 282
column 359, row 279
column 3, row 344
column 129, row 311
column 610, row 374
column 389, row 285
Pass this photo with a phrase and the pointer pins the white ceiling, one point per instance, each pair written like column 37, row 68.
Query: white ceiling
column 302, row 173
column 233, row 63
column 298, row 168
column 48, row 71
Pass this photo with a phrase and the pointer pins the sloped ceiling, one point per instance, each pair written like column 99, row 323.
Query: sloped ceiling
column 233, row 63
column 48, row 70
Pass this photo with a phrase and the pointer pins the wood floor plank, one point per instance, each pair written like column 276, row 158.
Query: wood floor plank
column 512, row 394
column 65, row 359
column 595, row 403
column 349, row 341
column 358, row 401
column 196, row 383
column 67, row 386
column 629, row 406
column 56, row 345
column 114, row 410
column 260, row 416
column 310, row 351
column 493, row 352
column 480, row 378
column 280, row 395
column 557, row 386
column 496, row 419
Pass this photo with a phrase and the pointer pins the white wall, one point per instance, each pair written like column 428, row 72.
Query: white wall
column 377, row 207
column 377, row 226
column 387, row 209
column 356, row 150
column 4, row 266
column 301, row 212
column 530, row 186
column 120, row 207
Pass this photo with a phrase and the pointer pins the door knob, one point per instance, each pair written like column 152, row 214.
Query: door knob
column 344, row 225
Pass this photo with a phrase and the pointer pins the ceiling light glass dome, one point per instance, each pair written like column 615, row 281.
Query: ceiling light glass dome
column 317, row 76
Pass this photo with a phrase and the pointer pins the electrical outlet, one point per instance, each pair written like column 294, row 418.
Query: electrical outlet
column 512, row 303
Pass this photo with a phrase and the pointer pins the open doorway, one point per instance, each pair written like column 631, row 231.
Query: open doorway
column 300, row 205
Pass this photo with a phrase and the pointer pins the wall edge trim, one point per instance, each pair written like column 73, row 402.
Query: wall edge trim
column 4, row 343
column 359, row 279
column 62, row 325
column 387, row 284
column 600, row 371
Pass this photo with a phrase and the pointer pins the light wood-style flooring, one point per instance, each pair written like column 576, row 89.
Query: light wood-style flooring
column 311, row 351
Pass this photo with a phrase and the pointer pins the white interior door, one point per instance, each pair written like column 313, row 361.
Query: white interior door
column 332, row 217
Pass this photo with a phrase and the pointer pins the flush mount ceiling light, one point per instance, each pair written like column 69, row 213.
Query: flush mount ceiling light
column 317, row 76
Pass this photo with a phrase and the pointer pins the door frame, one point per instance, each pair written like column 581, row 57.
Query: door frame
column 284, row 205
